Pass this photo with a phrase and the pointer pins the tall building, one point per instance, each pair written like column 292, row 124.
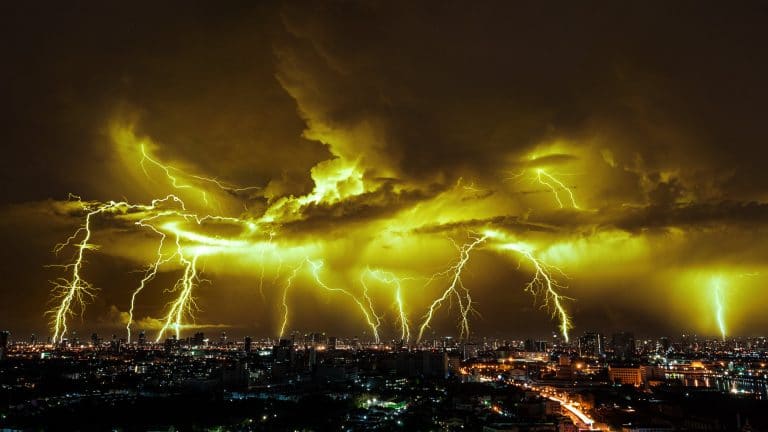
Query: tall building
column 94, row 339
column 623, row 345
column 247, row 344
column 142, row 338
column 592, row 345
column 223, row 338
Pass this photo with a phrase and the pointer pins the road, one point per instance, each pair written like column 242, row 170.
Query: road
column 582, row 420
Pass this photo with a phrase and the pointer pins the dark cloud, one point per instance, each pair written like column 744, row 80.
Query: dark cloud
column 750, row 215
column 454, row 87
column 198, row 80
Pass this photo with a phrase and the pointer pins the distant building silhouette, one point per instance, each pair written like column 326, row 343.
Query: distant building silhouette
column 592, row 345
column 535, row 345
column 623, row 345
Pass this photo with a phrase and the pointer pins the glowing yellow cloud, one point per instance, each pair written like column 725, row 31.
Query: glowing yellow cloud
column 187, row 236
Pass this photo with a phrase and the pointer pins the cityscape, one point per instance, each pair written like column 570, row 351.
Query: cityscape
column 596, row 382
column 394, row 215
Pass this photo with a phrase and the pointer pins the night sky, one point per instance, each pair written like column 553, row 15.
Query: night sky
column 622, row 144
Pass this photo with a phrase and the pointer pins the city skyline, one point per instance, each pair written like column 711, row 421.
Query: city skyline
column 239, row 334
column 370, row 170
column 614, row 384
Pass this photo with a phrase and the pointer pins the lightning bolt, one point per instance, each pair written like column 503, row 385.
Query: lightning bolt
column 286, row 288
column 376, row 319
column 174, row 175
column 74, row 292
column 453, row 289
column 396, row 282
column 149, row 275
column 184, row 305
column 226, row 187
column 317, row 265
column 556, row 186
column 544, row 284
column 719, row 302
column 168, row 170
column 544, row 281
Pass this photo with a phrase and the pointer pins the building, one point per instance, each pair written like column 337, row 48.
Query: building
column 626, row 375
column 535, row 345
column 247, row 344
column 316, row 339
column 564, row 369
column 470, row 350
column 623, row 345
column 592, row 345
